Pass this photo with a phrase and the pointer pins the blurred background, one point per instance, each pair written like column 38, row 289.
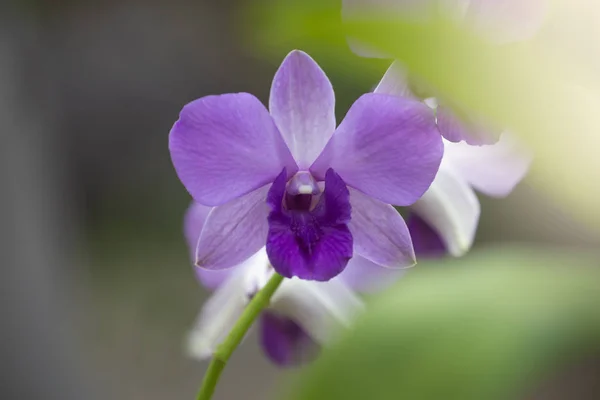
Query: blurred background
column 98, row 292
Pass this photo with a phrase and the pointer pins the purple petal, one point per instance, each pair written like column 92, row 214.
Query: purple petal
column 451, row 207
column 365, row 276
column 302, row 104
column 284, row 341
column 312, row 245
column 426, row 241
column 379, row 232
column 494, row 169
column 234, row 231
column 455, row 129
column 193, row 222
column 387, row 147
column 226, row 146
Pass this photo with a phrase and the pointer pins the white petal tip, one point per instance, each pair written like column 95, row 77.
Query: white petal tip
column 460, row 247
column 198, row 347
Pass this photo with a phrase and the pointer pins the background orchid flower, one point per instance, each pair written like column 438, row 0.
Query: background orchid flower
column 287, row 178
column 450, row 207
column 302, row 316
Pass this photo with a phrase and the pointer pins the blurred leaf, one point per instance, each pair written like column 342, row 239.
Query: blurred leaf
column 488, row 327
column 533, row 88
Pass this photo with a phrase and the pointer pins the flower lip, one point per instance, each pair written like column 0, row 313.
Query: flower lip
column 312, row 243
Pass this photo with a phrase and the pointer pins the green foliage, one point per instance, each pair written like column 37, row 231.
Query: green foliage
column 534, row 88
column 488, row 327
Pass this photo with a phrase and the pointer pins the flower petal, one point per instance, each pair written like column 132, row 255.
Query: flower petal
column 234, row 231
column 284, row 341
column 387, row 147
column 320, row 308
column 395, row 82
column 302, row 104
column 451, row 208
column 363, row 275
column 257, row 270
column 426, row 241
column 226, row 146
column 312, row 245
column 379, row 232
column 493, row 169
column 456, row 129
column 222, row 310
column 218, row 315
column 193, row 222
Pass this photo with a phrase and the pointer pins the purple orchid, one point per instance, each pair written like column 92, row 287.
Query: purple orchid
column 316, row 196
column 302, row 315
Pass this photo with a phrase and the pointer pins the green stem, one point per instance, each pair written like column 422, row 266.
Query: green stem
column 225, row 349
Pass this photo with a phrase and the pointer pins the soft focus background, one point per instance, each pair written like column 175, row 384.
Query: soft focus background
column 97, row 291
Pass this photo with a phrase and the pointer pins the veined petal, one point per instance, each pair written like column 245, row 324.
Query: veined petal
column 302, row 103
column 320, row 308
column 193, row 222
column 284, row 341
column 380, row 234
column 363, row 275
column 226, row 146
column 234, row 231
column 426, row 241
column 387, row 147
column 492, row 169
column 452, row 209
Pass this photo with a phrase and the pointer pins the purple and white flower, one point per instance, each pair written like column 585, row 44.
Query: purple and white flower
column 450, row 207
column 287, row 179
column 302, row 316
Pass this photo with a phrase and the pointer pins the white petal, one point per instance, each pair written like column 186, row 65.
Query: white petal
column 491, row 169
column 322, row 309
column 395, row 81
column 222, row 310
column 451, row 208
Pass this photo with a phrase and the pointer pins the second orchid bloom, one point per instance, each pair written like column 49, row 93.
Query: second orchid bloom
column 288, row 179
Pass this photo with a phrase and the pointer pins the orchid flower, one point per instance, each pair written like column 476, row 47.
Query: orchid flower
column 302, row 316
column 450, row 207
column 288, row 180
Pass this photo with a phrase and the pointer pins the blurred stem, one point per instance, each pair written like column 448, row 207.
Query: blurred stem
column 224, row 350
